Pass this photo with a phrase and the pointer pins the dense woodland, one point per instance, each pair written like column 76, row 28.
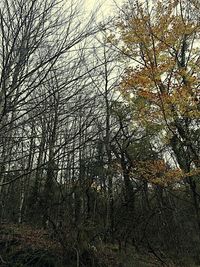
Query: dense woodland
column 99, row 134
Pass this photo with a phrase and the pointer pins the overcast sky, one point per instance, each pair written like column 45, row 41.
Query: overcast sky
column 107, row 6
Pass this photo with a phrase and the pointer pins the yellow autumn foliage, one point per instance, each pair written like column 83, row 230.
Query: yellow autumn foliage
column 166, row 68
column 158, row 172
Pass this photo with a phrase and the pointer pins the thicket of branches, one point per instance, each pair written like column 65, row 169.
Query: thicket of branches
column 99, row 132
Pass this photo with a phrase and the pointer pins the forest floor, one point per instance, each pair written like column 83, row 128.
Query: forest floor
column 25, row 246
